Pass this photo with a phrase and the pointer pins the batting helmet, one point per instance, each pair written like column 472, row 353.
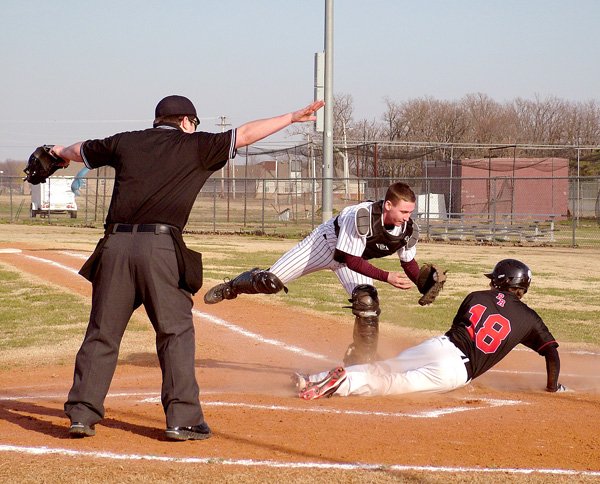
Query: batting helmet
column 510, row 273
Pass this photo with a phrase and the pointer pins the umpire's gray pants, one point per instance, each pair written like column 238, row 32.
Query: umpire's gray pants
column 134, row 269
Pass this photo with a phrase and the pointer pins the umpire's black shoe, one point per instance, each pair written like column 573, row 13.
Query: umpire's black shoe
column 196, row 432
column 78, row 430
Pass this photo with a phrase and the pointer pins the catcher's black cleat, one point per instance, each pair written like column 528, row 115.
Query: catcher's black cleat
column 219, row 292
column 78, row 430
column 196, row 432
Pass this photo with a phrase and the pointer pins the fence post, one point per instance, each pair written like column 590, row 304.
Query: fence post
column 313, row 202
column 49, row 181
column 295, row 195
column 214, row 206
column 245, row 200
column 264, row 186
column 574, row 224
column 97, row 194
column 104, row 209
column 427, row 221
column 11, row 199
column 493, row 195
column 228, row 191
column 87, row 194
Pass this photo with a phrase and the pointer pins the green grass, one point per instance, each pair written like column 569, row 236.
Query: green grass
column 322, row 291
column 565, row 291
column 37, row 315
column 581, row 327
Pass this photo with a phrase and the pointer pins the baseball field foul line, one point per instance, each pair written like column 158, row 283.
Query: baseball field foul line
column 8, row 250
column 77, row 255
column 53, row 263
column 249, row 334
column 151, row 397
column 424, row 414
column 288, row 465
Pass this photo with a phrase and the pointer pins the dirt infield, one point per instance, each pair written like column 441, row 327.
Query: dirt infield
column 501, row 427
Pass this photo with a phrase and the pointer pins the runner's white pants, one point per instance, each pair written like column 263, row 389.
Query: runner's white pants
column 436, row 365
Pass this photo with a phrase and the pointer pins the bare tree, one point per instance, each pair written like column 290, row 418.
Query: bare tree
column 395, row 126
column 540, row 121
column 582, row 123
column 343, row 107
column 488, row 121
column 449, row 121
column 475, row 119
column 365, row 130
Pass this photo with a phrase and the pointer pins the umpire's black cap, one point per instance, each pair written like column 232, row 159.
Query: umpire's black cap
column 174, row 105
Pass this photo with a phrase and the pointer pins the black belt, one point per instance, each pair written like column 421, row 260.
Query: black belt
column 149, row 228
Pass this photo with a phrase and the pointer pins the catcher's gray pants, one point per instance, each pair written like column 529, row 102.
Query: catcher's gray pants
column 134, row 269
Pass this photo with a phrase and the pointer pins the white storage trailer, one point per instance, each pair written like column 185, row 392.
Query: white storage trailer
column 54, row 196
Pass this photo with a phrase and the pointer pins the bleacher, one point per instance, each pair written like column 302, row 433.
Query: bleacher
column 533, row 231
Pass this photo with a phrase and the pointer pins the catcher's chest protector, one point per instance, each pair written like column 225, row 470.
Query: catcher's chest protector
column 380, row 243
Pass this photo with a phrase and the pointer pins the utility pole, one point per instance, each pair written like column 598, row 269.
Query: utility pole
column 223, row 124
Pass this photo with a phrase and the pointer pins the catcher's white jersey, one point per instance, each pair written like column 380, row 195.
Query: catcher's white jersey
column 316, row 251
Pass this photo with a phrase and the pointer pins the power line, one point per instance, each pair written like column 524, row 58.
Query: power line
column 84, row 121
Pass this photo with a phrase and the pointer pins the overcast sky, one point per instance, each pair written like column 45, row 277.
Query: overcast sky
column 73, row 69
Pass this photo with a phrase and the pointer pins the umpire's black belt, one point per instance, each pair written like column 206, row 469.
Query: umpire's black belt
column 150, row 228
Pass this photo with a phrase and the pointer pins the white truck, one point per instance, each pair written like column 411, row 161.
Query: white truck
column 54, row 196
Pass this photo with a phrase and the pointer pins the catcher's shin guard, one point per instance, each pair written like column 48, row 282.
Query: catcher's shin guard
column 365, row 307
column 254, row 281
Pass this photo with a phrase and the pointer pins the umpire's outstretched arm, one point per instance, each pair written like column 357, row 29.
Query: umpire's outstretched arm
column 256, row 130
column 246, row 134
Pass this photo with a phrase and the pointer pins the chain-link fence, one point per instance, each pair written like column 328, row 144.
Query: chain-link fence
column 538, row 210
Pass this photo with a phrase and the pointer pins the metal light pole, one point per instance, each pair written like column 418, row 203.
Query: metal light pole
column 223, row 124
column 327, row 187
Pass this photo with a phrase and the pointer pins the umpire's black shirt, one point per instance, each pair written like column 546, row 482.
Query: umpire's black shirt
column 158, row 171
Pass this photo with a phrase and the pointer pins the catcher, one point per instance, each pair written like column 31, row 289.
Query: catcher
column 487, row 326
column 345, row 244
column 42, row 163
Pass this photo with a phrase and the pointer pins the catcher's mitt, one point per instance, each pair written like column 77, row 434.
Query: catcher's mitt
column 43, row 163
column 430, row 282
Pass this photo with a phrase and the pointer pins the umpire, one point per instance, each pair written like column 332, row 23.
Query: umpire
column 142, row 258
